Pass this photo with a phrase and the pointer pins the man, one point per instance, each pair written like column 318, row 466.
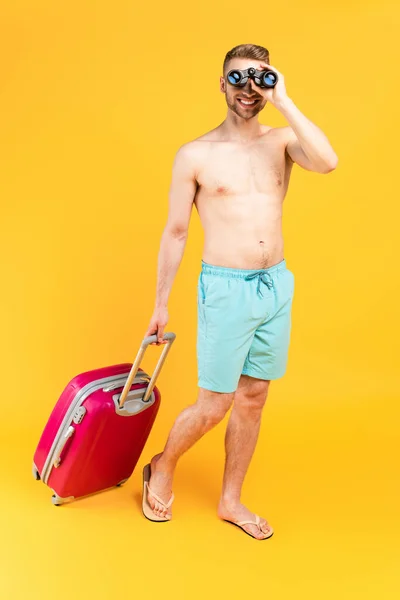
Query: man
column 237, row 176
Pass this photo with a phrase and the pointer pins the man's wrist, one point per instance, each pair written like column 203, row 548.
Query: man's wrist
column 285, row 104
column 160, row 305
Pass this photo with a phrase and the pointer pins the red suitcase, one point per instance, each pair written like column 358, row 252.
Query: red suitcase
column 98, row 428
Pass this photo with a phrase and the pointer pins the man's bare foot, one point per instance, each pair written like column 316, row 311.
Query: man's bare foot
column 161, row 484
column 235, row 511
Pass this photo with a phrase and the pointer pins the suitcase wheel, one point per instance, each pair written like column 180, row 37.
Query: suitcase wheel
column 58, row 501
column 35, row 473
column 121, row 483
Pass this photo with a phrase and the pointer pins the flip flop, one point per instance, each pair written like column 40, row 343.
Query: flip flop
column 146, row 508
column 256, row 522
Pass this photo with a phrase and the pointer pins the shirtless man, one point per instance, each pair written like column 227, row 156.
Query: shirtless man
column 237, row 176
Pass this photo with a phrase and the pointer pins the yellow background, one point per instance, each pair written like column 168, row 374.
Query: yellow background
column 95, row 99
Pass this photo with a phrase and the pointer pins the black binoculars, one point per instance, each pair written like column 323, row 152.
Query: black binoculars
column 264, row 79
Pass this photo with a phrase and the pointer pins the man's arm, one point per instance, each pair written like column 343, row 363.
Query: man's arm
column 306, row 144
column 173, row 240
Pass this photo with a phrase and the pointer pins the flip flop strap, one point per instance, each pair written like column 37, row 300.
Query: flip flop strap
column 158, row 497
column 256, row 522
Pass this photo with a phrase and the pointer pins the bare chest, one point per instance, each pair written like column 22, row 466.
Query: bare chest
column 231, row 169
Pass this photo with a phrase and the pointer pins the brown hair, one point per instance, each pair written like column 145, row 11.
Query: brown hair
column 247, row 51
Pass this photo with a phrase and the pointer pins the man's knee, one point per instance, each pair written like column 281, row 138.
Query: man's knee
column 214, row 405
column 251, row 395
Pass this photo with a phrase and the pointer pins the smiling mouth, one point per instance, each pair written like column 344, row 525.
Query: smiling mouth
column 245, row 102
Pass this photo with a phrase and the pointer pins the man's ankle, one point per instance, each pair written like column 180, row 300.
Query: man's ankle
column 165, row 466
column 229, row 498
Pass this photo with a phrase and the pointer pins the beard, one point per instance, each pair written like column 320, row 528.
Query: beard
column 244, row 112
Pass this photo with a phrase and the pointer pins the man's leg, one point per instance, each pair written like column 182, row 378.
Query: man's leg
column 240, row 442
column 192, row 423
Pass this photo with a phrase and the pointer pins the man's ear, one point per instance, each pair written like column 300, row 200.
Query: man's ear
column 222, row 85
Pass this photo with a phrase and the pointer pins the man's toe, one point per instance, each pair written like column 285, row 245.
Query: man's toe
column 266, row 529
column 254, row 531
column 260, row 535
column 160, row 510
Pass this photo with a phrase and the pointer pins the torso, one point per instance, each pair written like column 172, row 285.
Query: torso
column 241, row 188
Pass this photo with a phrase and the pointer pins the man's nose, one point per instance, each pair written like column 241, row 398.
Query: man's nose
column 250, row 86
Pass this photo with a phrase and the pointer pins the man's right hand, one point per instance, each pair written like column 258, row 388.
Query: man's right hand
column 157, row 325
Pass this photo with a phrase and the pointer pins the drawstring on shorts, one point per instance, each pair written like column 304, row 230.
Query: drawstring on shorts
column 262, row 277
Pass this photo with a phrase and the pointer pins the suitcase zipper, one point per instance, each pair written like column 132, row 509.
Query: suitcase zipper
column 75, row 405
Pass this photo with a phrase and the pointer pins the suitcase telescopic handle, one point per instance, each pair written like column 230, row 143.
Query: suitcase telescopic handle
column 143, row 347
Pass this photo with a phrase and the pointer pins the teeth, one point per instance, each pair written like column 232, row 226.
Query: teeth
column 247, row 102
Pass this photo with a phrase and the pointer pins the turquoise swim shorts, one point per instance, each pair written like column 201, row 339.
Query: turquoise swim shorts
column 244, row 323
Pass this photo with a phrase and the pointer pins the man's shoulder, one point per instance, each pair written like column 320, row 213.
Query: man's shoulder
column 197, row 145
column 282, row 135
column 285, row 132
column 214, row 136
column 191, row 147
column 194, row 149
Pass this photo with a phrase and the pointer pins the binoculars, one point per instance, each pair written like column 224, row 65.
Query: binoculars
column 264, row 79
